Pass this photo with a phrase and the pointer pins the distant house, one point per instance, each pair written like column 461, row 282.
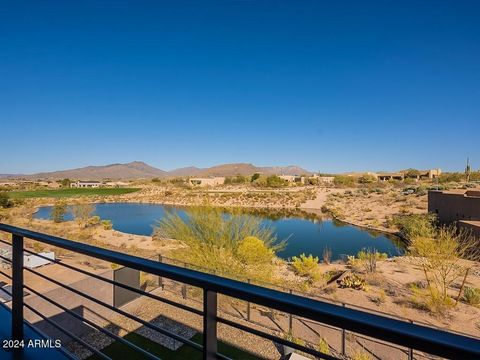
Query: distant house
column 86, row 184
column 208, row 181
column 326, row 179
column 293, row 178
column 389, row 176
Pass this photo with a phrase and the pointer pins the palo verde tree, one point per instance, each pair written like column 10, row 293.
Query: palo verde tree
column 82, row 212
column 444, row 260
column 229, row 243
column 59, row 211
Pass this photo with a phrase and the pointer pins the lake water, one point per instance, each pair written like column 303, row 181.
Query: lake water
column 306, row 234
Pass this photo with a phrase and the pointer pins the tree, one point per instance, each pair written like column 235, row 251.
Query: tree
column 217, row 240
column 275, row 181
column 65, row 183
column 255, row 177
column 344, row 180
column 5, row 201
column 59, row 211
column 441, row 260
column 82, row 212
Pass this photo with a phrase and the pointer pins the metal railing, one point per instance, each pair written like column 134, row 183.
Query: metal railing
column 425, row 339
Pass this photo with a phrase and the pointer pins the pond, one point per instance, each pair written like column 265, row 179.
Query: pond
column 305, row 233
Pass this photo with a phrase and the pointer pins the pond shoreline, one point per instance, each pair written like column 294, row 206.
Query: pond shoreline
column 312, row 232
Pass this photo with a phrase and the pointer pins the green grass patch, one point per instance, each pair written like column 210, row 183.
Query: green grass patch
column 71, row 192
column 117, row 350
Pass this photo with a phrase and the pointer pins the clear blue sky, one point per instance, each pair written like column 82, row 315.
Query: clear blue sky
column 328, row 85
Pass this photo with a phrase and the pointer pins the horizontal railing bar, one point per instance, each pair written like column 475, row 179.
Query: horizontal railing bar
column 426, row 339
column 165, row 332
column 120, row 311
column 116, row 283
column 54, row 324
column 275, row 339
column 91, row 323
column 70, row 334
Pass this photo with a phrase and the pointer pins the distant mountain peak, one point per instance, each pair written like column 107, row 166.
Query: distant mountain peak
column 141, row 170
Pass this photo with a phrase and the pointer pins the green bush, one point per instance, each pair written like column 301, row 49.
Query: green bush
column 5, row 201
column 253, row 251
column 217, row 240
column 306, row 266
column 107, row 224
column 367, row 179
column 59, row 211
column 472, row 296
column 451, row 177
column 368, row 258
column 415, row 225
column 323, row 346
column 344, row 180
column 274, row 181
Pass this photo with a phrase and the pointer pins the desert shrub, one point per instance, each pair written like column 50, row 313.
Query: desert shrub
column 260, row 181
column 239, row 179
column 107, row 224
column 472, row 296
column 218, row 240
column 366, row 179
column 82, row 212
column 323, row 346
column 441, row 262
column 290, row 337
column 368, row 259
column 59, row 211
column 275, row 181
column 361, row 355
column 451, row 177
column 415, row 225
column 352, row 282
column 5, row 201
column 306, row 266
column 93, row 221
column 254, row 177
column 252, row 250
column 344, row 180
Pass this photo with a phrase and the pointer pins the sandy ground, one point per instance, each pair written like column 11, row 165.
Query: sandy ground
column 388, row 291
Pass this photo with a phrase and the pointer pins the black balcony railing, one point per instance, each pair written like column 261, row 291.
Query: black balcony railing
column 405, row 334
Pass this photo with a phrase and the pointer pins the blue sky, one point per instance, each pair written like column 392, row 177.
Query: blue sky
column 328, row 85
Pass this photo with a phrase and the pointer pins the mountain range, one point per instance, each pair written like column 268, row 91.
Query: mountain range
column 140, row 170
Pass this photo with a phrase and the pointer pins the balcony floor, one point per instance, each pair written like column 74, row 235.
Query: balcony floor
column 30, row 333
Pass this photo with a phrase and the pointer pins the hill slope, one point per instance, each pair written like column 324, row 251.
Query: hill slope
column 132, row 170
column 140, row 170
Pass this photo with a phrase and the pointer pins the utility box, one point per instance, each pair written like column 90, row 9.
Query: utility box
column 32, row 261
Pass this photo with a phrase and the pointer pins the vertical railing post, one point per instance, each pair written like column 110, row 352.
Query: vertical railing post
column 248, row 306
column 209, row 325
column 344, row 350
column 184, row 286
column 290, row 318
column 410, row 350
column 160, row 279
column 17, row 287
